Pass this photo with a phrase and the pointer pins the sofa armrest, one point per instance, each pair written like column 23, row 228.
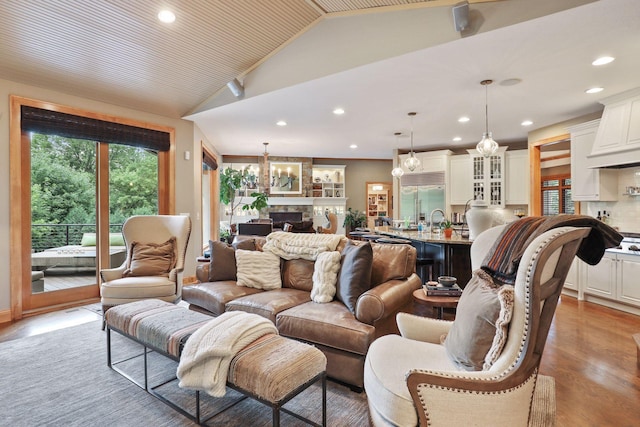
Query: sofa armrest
column 385, row 299
column 422, row 328
column 202, row 272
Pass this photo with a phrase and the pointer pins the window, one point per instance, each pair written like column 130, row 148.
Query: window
column 556, row 195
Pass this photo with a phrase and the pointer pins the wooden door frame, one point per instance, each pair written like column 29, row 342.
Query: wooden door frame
column 20, row 209
column 535, row 183
column 214, row 205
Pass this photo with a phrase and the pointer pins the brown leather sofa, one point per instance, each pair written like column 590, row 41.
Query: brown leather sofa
column 344, row 337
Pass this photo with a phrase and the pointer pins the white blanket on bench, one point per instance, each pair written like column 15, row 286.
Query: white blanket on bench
column 300, row 245
column 207, row 354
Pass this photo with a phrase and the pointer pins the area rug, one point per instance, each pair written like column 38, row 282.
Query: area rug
column 62, row 378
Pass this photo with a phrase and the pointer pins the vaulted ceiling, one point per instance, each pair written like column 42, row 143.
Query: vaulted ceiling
column 377, row 59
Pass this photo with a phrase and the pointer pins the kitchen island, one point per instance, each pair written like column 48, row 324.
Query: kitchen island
column 451, row 255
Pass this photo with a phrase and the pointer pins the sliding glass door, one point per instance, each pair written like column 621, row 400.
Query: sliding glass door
column 70, row 197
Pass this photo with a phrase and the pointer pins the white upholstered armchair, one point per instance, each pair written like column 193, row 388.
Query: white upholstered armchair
column 410, row 379
column 156, row 248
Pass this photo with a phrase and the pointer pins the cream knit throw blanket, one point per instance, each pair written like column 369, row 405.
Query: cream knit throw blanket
column 300, row 245
column 204, row 363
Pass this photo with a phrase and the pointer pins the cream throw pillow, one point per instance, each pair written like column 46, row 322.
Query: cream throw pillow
column 325, row 276
column 256, row 269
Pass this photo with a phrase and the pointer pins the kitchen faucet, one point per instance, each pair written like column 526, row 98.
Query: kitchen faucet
column 444, row 216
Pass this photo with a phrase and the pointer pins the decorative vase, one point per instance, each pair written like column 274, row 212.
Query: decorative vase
column 479, row 218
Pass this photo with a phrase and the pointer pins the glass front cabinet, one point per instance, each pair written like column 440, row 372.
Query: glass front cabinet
column 488, row 178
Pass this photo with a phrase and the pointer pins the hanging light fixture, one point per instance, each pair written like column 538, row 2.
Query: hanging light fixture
column 397, row 172
column 487, row 146
column 412, row 162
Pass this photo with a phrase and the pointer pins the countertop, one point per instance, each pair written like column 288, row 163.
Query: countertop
column 424, row 236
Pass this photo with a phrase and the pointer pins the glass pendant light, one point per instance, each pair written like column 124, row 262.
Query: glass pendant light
column 412, row 162
column 487, row 145
column 397, row 172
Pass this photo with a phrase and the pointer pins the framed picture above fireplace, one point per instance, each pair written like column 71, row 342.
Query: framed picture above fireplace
column 285, row 178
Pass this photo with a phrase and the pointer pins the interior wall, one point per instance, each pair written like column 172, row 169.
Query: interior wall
column 187, row 190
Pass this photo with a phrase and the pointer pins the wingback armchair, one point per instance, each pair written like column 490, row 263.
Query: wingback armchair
column 410, row 380
column 156, row 249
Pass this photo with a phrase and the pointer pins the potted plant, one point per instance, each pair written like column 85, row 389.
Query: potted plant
column 447, row 228
column 354, row 219
column 232, row 180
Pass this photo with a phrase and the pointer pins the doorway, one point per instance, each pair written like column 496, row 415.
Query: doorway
column 379, row 204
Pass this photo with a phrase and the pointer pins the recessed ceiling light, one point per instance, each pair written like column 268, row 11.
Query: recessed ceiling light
column 457, row 139
column 281, row 123
column 338, row 111
column 603, row 60
column 463, row 119
column 166, row 16
column 526, row 123
column 353, row 146
column 594, row 90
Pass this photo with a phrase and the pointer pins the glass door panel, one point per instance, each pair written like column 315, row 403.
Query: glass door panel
column 63, row 216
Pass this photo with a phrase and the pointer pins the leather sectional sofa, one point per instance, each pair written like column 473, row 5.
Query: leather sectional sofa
column 342, row 334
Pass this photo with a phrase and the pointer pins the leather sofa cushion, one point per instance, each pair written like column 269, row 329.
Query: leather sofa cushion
column 213, row 296
column 298, row 274
column 269, row 304
column 355, row 274
column 392, row 262
column 330, row 324
column 222, row 265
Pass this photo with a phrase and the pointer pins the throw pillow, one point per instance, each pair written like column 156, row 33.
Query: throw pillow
column 325, row 275
column 151, row 259
column 88, row 239
column 257, row 269
column 355, row 274
column 222, row 264
column 479, row 331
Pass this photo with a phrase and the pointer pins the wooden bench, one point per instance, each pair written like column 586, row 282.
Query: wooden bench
column 271, row 370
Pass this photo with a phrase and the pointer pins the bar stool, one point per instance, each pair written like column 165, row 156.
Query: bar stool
column 370, row 237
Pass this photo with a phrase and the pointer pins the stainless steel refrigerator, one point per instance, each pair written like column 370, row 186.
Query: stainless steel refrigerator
column 421, row 193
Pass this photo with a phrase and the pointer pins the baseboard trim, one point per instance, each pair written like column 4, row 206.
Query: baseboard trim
column 5, row 316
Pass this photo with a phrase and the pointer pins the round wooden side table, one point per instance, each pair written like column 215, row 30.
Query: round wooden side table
column 437, row 303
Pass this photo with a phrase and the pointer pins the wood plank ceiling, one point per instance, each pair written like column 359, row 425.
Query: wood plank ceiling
column 116, row 51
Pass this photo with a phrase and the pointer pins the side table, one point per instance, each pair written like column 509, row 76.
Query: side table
column 438, row 303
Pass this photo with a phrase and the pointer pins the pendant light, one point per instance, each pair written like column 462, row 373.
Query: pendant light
column 412, row 162
column 487, row 146
column 397, row 172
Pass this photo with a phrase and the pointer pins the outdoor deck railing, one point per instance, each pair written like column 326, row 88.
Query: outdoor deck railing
column 46, row 236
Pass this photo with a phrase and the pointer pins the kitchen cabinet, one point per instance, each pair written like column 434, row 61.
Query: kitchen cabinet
column 488, row 177
column 600, row 279
column 429, row 161
column 571, row 282
column 589, row 184
column 517, row 182
column 614, row 278
column 460, row 183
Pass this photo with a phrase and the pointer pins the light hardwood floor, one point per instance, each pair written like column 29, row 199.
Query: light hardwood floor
column 590, row 352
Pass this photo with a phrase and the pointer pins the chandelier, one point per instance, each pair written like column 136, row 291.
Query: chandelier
column 397, row 172
column 412, row 162
column 487, row 145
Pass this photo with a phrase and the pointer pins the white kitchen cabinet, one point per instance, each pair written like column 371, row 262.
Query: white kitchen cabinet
column 589, row 184
column 571, row 282
column 517, row 182
column 488, row 177
column 600, row 279
column 620, row 126
column 460, row 183
column 430, row 161
column 628, row 270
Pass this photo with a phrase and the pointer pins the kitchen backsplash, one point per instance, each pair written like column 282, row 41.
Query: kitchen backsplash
column 624, row 213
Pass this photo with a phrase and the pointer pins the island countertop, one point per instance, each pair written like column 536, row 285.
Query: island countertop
column 424, row 236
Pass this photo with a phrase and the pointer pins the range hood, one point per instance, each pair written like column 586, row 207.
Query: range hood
column 617, row 143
